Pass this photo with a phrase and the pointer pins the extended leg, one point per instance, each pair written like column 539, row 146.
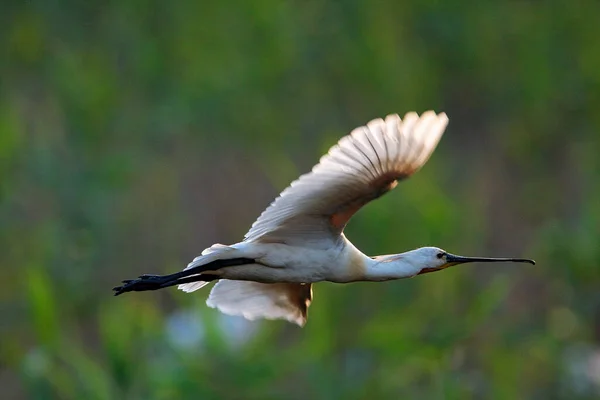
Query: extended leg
column 140, row 285
column 155, row 282
column 190, row 279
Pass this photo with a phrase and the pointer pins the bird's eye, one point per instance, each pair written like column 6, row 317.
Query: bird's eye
column 440, row 255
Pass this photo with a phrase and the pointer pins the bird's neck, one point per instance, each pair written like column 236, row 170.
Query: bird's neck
column 359, row 267
column 384, row 268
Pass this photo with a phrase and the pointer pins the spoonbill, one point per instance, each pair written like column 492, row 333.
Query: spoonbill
column 298, row 240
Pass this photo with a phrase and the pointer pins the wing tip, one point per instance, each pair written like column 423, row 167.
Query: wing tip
column 443, row 117
column 412, row 114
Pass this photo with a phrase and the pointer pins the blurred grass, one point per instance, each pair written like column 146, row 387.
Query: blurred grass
column 134, row 134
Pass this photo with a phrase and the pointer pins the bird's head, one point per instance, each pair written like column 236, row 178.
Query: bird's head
column 434, row 259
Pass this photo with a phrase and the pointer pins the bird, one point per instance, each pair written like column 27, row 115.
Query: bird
column 299, row 239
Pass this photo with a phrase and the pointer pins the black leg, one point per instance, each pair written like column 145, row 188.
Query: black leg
column 190, row 279
column 155, row 282
column 141, row 285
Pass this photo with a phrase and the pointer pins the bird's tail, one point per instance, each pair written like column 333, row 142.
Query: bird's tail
column 254, row 300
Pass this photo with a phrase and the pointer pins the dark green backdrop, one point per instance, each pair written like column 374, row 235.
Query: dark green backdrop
column 133, row 134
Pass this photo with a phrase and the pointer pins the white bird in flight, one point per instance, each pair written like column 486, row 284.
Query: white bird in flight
column 298, row 240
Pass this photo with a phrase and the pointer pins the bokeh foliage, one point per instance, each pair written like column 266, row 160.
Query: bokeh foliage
column 133, row 134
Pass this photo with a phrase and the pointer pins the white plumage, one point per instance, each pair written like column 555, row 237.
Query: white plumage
column 298, row 239
column 253, row 300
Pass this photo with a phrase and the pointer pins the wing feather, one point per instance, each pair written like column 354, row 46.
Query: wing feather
column 361, row 167
column 253, row 300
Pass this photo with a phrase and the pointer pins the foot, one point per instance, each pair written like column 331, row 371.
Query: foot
column 143, row 283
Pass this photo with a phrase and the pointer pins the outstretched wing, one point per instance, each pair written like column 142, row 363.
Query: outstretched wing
column 361, row 167
column 254, row 300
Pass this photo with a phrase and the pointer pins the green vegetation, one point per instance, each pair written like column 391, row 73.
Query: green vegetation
column 133, row 134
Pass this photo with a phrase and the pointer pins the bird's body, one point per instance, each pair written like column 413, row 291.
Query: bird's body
column 283, row 263
column 298, row 240
column 278, row 262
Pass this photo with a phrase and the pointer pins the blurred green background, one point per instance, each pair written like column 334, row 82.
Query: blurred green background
column 133, row 134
